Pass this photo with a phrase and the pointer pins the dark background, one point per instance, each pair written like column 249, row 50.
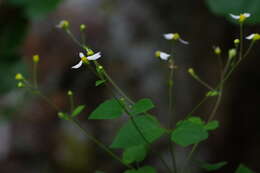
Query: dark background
column 33, row 139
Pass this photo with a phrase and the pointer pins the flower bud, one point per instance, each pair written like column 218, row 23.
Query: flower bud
column 36, row 58
column 70, row 93
column 232, row 53
column 19, row 76
column 217, row 50
column 20, row 85
column 82, row 27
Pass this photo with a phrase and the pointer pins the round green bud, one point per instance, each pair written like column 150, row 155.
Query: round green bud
column 20, row 85
column 82, row 27
column 217, row 50
column 236, row 41
column 232, row 53
column 70, row 93
column 19, row 76
column 36, row 58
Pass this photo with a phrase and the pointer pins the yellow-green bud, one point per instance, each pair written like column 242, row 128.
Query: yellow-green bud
column 19, row 76
column 20, row 85
column 191, row 72
column 176, row 36
column 70, row 93
column 157, row 54
column 232, row 53
column 82, row 27
column 217, row 50
column 36, row 58
column 100, row 67
column 64, row 24
column 236, row 41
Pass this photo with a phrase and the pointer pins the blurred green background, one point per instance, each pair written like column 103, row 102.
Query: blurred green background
column 33, row 139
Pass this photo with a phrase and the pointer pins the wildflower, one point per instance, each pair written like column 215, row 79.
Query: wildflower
column 36, row 58
column 174, row 36
column 241, row 18
column 64, row 24
column 19, row 76
column 85, row 59
column 162, row 55
column 253, row 37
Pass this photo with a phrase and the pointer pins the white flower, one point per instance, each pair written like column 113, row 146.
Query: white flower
column 85, row 59
column 254, row 37
column 174, row 36
column 162, row 55
column 241, row 18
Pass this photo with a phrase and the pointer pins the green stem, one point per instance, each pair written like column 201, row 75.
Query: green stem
column 101, row 145
column 241, row 42
column 187, row 160
column 35, row 84
column 91, row 137
column 71, row 103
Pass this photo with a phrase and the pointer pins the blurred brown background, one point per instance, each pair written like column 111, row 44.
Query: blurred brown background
column 33, row 139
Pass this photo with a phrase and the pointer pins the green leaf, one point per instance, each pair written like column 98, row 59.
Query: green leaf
column 145, row 169
column 100, row 82
column 36, row 8
column 134, row 154
column 196, row 120
column 212, row 125
column 212, row 93
column 142, row 106
column 129, row 136
column 108, row 110
column 224, row 8
column 212, row 166
column 188, row 132
column 78, row 110
column 243, row 169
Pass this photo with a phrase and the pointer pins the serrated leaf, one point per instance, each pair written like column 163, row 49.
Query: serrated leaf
column 129, row 136
column 212, row 166
column 212, row 125
column 99, row 82
column 142, row 106
column 243, row 169
column 107, row 110
column 134, row 154
column 77, row 110
column 187, row 133
column 212, row 93
column 145, row 169
column 222, row 8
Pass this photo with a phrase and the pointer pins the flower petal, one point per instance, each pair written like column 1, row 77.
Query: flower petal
column 234, row 16
column 247, row 14
column 168, row 36
column 77, row 65
column 183, row 41
column 94, row 57
column 250, row 37
column 164, row 56
column 81, row 55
